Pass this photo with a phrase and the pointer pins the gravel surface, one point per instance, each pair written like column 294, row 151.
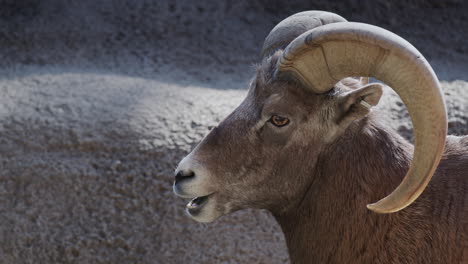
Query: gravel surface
column 100, row 100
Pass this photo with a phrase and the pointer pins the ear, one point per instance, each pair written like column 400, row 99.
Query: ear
column 356, row 104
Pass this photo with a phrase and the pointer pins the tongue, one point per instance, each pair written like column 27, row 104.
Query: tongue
column 195, row 203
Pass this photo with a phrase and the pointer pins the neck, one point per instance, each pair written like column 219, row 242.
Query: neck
column 332, row 223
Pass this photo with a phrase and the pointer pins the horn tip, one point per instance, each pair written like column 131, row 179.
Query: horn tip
column 380, row 209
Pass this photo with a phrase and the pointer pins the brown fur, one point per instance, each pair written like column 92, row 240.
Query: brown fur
column 316, row 177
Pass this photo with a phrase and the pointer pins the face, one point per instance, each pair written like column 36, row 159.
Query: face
column 260, row 156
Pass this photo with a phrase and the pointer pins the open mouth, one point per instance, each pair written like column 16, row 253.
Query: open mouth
column 195, row 205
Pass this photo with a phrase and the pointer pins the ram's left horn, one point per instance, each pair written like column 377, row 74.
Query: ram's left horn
column 323, row 56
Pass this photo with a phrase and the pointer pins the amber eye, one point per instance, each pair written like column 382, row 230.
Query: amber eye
column 279, row 121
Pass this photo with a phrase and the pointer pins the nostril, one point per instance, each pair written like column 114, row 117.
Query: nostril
column 184, row 175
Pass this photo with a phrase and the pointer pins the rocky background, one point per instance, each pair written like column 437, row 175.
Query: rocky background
column 99, row 100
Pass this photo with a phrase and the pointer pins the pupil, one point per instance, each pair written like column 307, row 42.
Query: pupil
column 279, row 120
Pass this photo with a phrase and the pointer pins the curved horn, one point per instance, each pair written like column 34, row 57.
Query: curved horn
column 293, row 26
column 322, row 56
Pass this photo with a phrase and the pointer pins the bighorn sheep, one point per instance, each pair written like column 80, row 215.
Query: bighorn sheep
column 305, row 145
